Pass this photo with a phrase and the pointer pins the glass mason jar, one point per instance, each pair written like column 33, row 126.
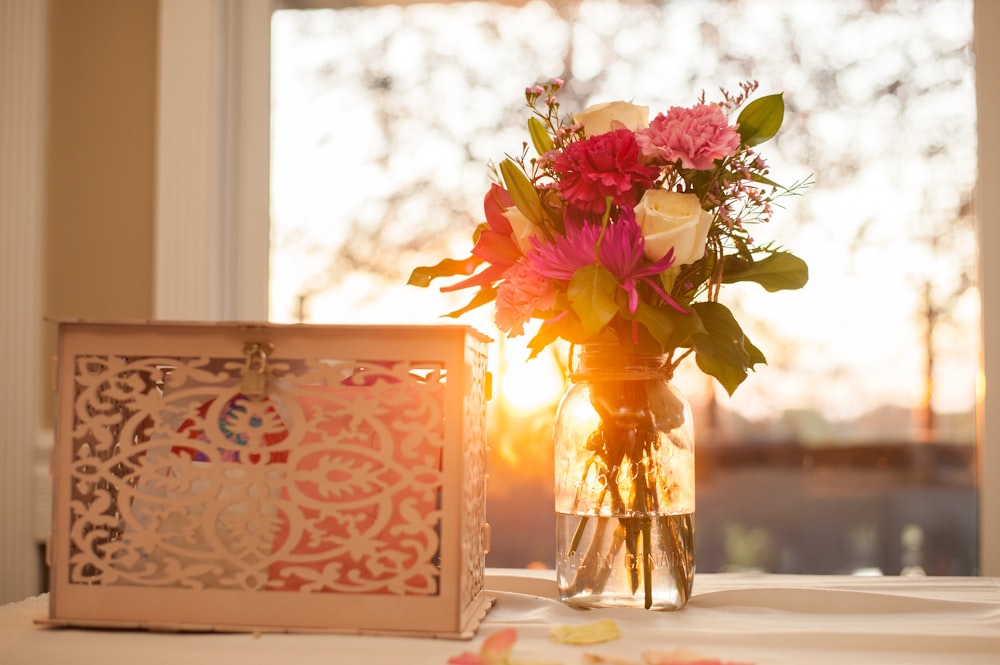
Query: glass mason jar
column 624, row 484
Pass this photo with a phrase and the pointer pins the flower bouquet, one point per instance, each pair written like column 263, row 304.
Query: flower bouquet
column 617, row 233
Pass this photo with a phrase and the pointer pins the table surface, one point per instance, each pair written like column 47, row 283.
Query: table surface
column 754, row 619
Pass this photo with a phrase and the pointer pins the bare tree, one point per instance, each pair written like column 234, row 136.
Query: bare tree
column 872, row 89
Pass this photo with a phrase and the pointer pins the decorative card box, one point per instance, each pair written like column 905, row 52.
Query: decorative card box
column 239, row 477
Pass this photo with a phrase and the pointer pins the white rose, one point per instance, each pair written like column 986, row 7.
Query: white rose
column 523, row 228
column 670, row 219
column 603, row 118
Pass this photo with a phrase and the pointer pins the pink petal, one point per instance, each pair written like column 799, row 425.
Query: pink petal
column 495, row 202
column 499, row 644
column 484, row 278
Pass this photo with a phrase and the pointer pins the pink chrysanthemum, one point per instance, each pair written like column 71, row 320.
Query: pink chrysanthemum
column 523, row 292
column 563, row 255
column 697, row 136
column 620, row 252
column 606, row 165
column 622, row 255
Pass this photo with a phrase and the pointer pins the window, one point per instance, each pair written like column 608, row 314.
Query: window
column 384, row 120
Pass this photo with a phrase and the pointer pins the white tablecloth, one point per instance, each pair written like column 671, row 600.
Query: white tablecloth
column 745, row 618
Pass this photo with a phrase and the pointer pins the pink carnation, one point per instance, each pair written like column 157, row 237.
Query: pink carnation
column 696, row 136
column 606, row 165
column 523, row 292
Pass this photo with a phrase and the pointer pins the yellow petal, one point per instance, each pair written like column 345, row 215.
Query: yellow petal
column 604, row 630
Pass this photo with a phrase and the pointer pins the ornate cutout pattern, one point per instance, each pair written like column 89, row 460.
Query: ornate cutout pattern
column 330, row 482
column 475, row 465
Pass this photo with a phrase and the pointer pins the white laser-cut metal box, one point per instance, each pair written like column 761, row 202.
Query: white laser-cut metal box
column 267, row 477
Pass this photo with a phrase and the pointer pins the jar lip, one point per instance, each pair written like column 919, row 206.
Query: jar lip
column 614, row 350
column 609, row 358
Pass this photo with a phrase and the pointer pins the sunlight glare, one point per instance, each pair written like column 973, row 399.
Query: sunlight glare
column 532, row 386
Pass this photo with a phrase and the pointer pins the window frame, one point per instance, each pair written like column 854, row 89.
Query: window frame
column 213, row 160
column 214, row 112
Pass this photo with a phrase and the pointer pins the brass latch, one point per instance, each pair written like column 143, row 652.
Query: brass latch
column 255, row 371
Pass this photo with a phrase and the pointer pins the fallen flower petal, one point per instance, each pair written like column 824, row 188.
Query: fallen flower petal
column 494, row 650
column 604, row 630
column 499, row 644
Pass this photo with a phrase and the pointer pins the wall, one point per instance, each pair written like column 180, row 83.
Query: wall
column 82, row 146
column 77, row 160
column 100, row 157
column 22, row 139
column 99, row 177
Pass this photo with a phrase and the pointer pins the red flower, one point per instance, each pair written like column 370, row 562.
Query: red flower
column 606, row 165
column 496, row 245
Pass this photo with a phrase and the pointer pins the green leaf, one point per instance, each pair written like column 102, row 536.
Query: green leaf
column 546, row 335
column 521, row 190
column 761, row 119
column 756, row 355
column 565, row 327
column 764, row 180
column 669, row 327
column 539, row 136
column 423, row 275
column 592, row 292
column 723, row 351
column 779, row 271
column 484, row 295
column 693, row 276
